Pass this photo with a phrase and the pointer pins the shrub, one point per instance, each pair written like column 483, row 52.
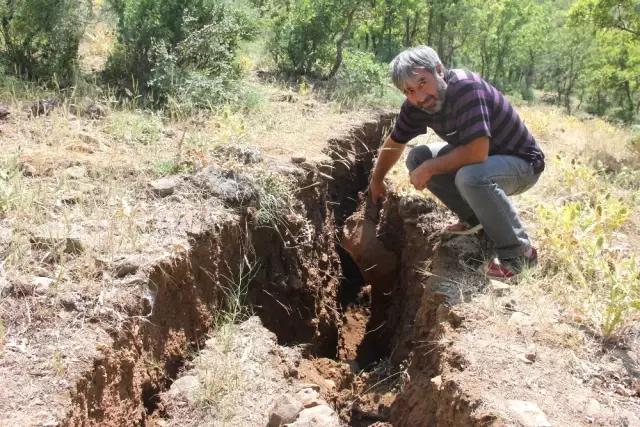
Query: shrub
column 177, row 47
column 41, row 38
column 301, row 43
column 362, row 81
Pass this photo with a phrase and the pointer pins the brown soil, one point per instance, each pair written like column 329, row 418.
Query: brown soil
column 395, row 325
column 149, row 350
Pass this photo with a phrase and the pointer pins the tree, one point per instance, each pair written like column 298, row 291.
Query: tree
column 41, row 37
column 623, row 15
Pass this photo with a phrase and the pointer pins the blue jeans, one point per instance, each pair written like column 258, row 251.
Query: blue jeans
column 478, row 193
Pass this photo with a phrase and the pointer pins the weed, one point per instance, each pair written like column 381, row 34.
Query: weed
column 624, row 295
column 171, row 167
column 585, row 267
column 58, row 363
column 275, row 195
column 235, row 309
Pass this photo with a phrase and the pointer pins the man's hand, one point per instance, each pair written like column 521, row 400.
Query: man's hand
column 421, row 176
column 378, row 189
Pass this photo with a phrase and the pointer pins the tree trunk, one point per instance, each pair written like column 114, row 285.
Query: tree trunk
column 414, row 30
column 430, row 27
column 627, row 89
column 407, row 35
column 443, row 24
column 340, row 43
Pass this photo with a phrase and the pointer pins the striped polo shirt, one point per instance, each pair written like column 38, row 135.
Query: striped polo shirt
column 473, row 108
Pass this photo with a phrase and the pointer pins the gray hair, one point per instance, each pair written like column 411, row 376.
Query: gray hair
column 403, row 65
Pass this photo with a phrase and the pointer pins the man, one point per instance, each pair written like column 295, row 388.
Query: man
column 488, row 153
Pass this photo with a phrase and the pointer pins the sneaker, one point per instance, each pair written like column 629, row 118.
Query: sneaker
column 511, row 267
column 462, row 229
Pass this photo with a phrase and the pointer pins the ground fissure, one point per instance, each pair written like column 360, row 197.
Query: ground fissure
column 340, row 295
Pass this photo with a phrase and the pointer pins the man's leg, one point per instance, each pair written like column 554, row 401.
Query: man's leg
column 442, row 186
column 485, row 187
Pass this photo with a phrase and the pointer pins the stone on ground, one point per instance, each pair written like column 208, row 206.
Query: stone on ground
column 286, row 411
column 188, row 387
column 318, row 416
column 163, row 187
column 528, row 413
column 309, row 398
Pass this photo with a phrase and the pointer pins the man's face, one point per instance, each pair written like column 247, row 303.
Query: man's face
column 426, row 91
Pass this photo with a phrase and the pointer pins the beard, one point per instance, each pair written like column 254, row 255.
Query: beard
column 442, row 92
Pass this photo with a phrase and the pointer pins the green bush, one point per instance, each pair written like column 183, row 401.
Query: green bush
column 169, row 48
column 41, row 38
column 302, row 40
column 362, row 81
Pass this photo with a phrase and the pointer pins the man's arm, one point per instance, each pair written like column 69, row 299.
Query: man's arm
column 477, row 151
column 389, row 155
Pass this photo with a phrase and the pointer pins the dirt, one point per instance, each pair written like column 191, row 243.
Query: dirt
column 390, row 320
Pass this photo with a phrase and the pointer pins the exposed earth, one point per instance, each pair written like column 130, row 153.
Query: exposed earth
column 351, row 314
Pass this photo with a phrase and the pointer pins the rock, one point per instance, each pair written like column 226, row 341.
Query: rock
column 531, row 356
column 54, row 237
column 126, row 267
column 71, row 301
column 163, row 187
column 528, row 413
column 42, row 284
column 520, row 319
column 247, row 155
column 309, row 398
column 187, row 387
column 42, row 107
column 231, row 187
column 28, row 169
column 286, row 411
column 593, row 408
column 437, row 381
column 298, row 159
column 498, row 288
column 524, row 359
column 318, row 416
column 75, row 172
column 312, row 386
column 95, row 111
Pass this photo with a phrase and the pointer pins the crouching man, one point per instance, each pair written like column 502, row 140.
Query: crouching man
column 488, row 153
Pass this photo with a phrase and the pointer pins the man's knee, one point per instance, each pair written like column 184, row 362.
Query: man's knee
column 417, row 156
column 470, row 176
